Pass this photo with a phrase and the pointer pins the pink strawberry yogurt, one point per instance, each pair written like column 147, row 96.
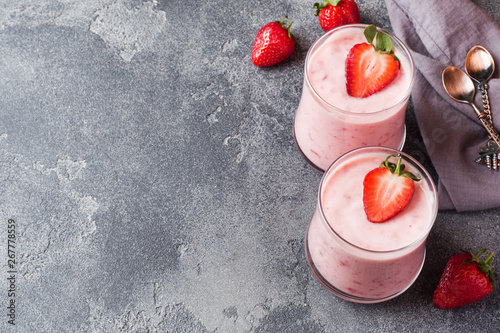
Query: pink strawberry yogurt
column 359, row 260
column 329, row 122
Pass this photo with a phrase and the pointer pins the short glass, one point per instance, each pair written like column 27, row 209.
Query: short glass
column 358, row 260
column 328, row 122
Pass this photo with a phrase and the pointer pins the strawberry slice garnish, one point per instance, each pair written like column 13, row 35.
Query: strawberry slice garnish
column 466, row 279
column 370, row 68
column 387, row 190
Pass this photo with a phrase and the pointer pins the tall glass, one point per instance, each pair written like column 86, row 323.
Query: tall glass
column 329, row 122
column 359, row 260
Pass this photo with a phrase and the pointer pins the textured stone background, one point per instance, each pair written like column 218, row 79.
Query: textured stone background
column 152, row 174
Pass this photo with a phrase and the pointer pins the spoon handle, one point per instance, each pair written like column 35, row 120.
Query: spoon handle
column 488, row 124
column 483, row 86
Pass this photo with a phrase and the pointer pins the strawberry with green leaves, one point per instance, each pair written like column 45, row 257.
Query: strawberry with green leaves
column 273, row 44
column 334, row 13
column 370, row 68
column 387, row 190
column 465, row 280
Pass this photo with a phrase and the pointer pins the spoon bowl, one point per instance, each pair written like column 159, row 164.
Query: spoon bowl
column 461, row 88
column 458, row 85
column 479, row 64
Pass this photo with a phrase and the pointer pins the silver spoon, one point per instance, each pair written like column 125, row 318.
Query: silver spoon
column 461, row 88
column 480, row 66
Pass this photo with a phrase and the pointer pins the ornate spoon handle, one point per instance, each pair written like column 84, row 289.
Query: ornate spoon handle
column 488, row 124
column 483, row 86
column 489, row 155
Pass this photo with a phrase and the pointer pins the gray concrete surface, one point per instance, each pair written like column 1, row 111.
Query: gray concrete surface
column 151, row 175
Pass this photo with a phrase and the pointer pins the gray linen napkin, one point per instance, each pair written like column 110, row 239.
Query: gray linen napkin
column 439, row 34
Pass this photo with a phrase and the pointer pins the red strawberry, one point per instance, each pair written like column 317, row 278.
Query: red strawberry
column 387, row 190
column 333, row 13
column 465, row 280
column 370, row 68
column 273, row 44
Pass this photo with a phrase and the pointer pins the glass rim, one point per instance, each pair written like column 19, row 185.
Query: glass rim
column 395, row 152
column 327, row 34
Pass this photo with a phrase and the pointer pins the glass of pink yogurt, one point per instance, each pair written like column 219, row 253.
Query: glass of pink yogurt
column 354, row 258
column 328, row 122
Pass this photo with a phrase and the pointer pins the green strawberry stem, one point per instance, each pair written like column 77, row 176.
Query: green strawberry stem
column 383, row 43
column 484, row 266
column 287, row 28
column 398, row 169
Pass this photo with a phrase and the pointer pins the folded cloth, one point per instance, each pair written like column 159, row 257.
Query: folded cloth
column 439, row 34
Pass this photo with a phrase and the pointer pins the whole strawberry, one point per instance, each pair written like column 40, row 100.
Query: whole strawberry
column 334, row 13
column 465, row 280
column 273, row 44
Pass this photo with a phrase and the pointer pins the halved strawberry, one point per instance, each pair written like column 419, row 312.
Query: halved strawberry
column 370, row 68
column 387, row 190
